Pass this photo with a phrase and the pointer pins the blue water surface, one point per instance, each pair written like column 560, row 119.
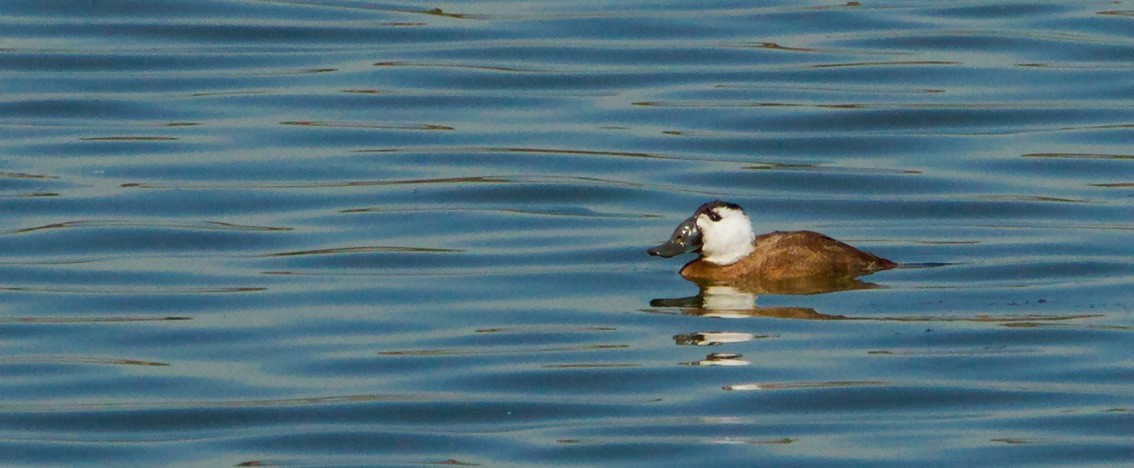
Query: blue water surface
column 351, row 233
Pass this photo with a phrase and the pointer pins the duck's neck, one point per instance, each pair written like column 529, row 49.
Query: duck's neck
column 728, row 257
column 728, row 243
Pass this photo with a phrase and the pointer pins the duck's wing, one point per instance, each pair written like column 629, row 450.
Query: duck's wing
column 807, row 253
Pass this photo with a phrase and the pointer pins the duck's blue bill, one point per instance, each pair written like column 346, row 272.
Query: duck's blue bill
column 685, row 239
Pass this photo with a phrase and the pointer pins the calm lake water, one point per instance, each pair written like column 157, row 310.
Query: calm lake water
column 353, row 233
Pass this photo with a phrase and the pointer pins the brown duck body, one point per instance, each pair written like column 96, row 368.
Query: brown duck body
column 783, row 256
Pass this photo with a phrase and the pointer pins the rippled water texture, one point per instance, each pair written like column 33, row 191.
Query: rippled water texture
column 253, row 233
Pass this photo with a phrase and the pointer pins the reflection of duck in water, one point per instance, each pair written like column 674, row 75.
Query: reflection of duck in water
column 799, row 262
column 730, row 302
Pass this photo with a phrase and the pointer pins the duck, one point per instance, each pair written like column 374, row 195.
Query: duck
column 728, row 252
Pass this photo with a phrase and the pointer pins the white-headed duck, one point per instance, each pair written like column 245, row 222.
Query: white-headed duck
column 729, row 252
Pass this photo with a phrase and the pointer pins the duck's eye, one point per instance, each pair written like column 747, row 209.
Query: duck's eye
column 679, row 238
column 714, row 216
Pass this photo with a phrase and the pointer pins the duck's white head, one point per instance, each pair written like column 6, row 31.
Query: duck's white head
column 719, row 230
column 726, row 232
